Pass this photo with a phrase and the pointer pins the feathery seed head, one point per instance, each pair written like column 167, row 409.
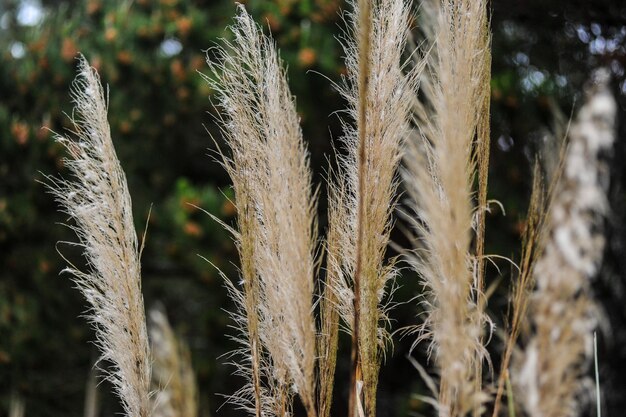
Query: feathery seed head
column 551, row 371
column 270, row 171
column 97, row 199
column 440, row 166
column 362, row 193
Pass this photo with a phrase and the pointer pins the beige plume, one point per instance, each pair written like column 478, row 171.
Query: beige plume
column 549, row 376
column 270, row 170
column 442, row 161
column 97, row 199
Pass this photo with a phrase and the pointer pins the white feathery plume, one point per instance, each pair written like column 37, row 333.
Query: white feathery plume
column 271, row 175
column 440, row 167
column 98, row 200
column 363, row 192
column 549, row 377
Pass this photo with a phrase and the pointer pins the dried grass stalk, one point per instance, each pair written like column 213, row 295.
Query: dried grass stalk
column 441, row 165
column 270, row 169
column 91, row 405
column 98, row 200
column 532, row 241
column 328, row 337
column 550, row 375
column 327, row 350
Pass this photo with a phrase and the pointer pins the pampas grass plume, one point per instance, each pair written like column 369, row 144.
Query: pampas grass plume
column 362, row 194
column 270, row 170
column 440, row 166
column 98, row 201
column 549, row 377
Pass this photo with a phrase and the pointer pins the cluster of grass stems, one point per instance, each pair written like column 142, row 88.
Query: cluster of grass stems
column 416, row 116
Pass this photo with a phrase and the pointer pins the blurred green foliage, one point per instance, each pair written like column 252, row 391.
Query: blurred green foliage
column 149, row 52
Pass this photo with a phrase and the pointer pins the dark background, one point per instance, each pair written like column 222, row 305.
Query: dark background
column 149, row 53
